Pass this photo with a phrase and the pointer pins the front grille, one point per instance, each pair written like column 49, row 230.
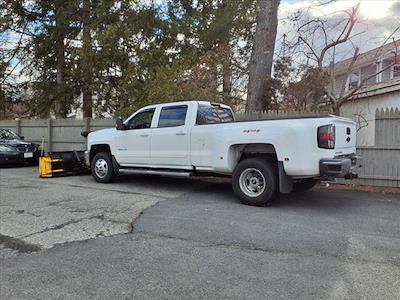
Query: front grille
column 26, row 148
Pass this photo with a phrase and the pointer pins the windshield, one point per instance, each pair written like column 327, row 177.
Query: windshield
column 213, row 115
column 6, row 134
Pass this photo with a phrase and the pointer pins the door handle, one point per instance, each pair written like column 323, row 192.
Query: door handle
column 144, row 135
column 181, row 133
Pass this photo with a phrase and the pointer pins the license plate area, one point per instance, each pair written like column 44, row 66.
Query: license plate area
column 28, row 155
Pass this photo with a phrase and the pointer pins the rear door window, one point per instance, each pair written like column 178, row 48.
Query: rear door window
column 213, row 115
column 172, row 116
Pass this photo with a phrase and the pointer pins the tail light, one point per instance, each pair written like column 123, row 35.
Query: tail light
column 326, row 136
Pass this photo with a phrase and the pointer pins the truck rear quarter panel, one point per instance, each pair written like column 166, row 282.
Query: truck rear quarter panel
column 216, row 147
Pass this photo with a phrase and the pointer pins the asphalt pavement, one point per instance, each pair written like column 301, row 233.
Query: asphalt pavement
column 51, row 211
column 196, row 241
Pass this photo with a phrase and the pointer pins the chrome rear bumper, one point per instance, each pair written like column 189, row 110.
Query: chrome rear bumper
column 342, row 166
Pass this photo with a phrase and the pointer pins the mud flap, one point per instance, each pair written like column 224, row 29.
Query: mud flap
column 285, row 182
column 116, row 165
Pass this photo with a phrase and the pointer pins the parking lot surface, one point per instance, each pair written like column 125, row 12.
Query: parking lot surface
column 51, row 211
column 196, row 241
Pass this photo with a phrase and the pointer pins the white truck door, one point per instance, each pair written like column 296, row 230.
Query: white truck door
column 133, row 144
column 170, row 137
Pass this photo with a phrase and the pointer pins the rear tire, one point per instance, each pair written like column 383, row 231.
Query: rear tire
column 102, row 167
column 255, row 181
column 304, row 185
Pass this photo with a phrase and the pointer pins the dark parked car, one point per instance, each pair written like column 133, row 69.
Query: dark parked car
column 13, row 148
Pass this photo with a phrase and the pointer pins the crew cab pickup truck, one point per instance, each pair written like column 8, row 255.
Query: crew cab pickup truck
column 198, row 138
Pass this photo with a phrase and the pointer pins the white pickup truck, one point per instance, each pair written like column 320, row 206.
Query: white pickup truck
column 198, row 138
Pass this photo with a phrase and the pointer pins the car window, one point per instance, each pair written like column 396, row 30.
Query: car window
column 172, row 116
column 213, row 115
column 7, row 135
column 141, row 120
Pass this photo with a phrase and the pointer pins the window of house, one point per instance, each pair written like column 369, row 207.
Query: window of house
column 141, row 120
column 354, row 80
column 386, row 70
column 396, row 71
column 172, row 116
column 368, row 74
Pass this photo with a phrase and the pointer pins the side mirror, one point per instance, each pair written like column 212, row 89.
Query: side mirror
column 22, row 137
column 85, row 133
column 119, row 124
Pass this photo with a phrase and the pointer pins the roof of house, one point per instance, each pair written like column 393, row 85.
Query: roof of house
column 385, row 87
column 367, row 57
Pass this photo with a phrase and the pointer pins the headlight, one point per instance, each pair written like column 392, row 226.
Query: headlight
column 4, row 148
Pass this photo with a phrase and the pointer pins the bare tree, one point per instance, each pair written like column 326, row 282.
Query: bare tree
column 317, row 28
column 262, row 54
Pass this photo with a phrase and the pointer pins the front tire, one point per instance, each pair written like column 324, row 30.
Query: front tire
column 102, row 168
column 255, row 181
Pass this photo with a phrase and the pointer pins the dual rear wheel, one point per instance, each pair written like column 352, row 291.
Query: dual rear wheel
column 255, row 181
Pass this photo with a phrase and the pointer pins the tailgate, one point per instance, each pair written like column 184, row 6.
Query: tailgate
column 345, row 133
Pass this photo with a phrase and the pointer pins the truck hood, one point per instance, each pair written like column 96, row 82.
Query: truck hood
column 101, row 135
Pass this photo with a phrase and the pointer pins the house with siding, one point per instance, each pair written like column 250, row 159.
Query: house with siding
column 376, row 74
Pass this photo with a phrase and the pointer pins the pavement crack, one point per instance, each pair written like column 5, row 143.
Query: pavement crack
column 55, row 203
column 22, row 211
column 219, row 245
column 62, row 225
column 96, row 188
column 248, row 247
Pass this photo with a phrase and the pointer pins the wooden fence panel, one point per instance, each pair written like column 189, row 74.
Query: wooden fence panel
column 66, row 135
column 35, row 130
column 381, row 165
column 387, row 128
column 9, row 124
column 97, row 124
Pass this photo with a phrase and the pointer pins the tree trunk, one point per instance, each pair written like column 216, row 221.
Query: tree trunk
column 262, row 54
column 60, row 28
column 60, row 105
column 87, row 71
column 227, row 76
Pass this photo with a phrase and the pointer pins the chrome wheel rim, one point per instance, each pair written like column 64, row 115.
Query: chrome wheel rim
column 252, row 182
column 101, row 168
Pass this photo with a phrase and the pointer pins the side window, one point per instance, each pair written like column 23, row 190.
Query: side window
column 141, row 120
column 172, row 116
column 213, row 115
column 224, row 114
column 206, row 115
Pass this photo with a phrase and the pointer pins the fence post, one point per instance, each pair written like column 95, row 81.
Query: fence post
column 18, row 127
column 49, row 135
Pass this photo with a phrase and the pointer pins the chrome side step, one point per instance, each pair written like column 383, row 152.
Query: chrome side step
column 156, row 172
